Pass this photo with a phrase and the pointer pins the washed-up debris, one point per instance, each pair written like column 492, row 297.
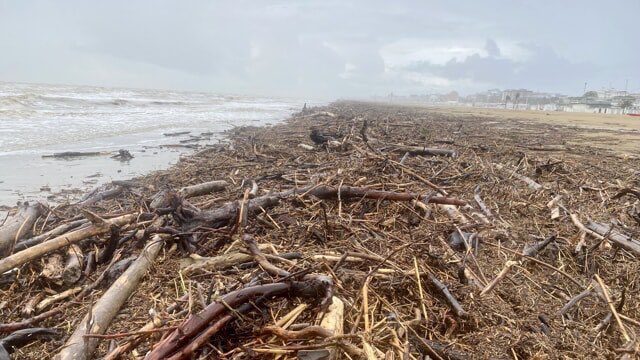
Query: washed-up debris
column 470, row 241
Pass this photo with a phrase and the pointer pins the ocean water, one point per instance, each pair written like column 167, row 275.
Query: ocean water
column 37, row 120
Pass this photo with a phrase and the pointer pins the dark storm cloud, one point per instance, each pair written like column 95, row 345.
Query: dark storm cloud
column 321, row 48
column 542, row 69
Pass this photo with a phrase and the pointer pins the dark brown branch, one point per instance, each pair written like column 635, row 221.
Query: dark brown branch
column 451, row 300
column 259, row 257
column 217, row 311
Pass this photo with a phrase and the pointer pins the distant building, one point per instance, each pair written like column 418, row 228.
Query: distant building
column 593, row 106
column 610, row 93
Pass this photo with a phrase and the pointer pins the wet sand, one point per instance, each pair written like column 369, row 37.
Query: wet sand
column 30, row 176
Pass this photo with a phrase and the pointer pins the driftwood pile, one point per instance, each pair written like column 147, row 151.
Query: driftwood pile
column 355, row 231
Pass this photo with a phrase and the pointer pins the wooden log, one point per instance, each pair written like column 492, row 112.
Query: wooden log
column 310, row 332
column 200, row 327
column 419, row 150
column 57, row 231
column 350, row 192
column 61, row 241
column 203, row 189
column 530, row 182
column 19, row 226
column 96, row 196
column 71, row 154
column 333, row 321
column 191, row 217
column 56, row 298
column 451, row 300
column 73, row 267
column 259, row 257
column 616, row 237
column 52, row 269
column 216, row 263
column 177, row 133
column 22, row 338
column 79, row 347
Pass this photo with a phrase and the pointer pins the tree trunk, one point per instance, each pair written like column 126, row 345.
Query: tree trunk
column 61, row 241
column 18, row 226
column 105, row 309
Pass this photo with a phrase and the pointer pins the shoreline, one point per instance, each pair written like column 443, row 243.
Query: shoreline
column 380, row 224
column 62, row 179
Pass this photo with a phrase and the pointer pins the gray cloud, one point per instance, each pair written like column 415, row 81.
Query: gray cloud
column 320, row 48
column 542, row 69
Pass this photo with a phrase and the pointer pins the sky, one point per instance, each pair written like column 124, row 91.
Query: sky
column 324, row 49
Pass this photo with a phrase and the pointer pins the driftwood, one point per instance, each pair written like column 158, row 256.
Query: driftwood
column 527, row 180
column 478, row 199
column 616, row 237
column 191, row 329
column 261, row 259
column 310, row 332
column 73, row 267
column 52, row 269
column 419, row 150
column 18, row 226
column 96, row 196
column 177, row 133
column 61, row 241
column 216, row 262
column 71, row 154
column 123, row 155
column 23, row 337
column 59, row 230
column 528, row 252
column 438, row 350
column 203, row 189
column 550, row 147
column 97, row 321
column 57, row 298
column 451, row 300
column 191, row 217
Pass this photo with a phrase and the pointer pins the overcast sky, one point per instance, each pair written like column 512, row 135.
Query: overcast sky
column 325, row 48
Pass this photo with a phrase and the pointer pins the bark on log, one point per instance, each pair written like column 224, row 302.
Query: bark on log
column 73, row 268
column 419, row 150
column 530, row 182
column 18, row 226
column 191, row 217
column 59, row 230
column 79, row 347
column 216, row 263
column 56, row 298
column 96, row 196
column 349, row 192
column 22, row 338
column 70, row 154
column 52, row 269
column 61, row 241
column 197, row 323
column 617, row 238
column 203, row 189
column 333, row 321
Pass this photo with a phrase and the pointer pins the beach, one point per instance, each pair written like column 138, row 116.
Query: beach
column 40, row 120
column 382, row 230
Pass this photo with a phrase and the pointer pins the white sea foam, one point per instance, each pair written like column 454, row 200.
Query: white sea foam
column 42, row 119
column 34, row 117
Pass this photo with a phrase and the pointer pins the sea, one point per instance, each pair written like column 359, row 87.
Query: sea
column 37, row 120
